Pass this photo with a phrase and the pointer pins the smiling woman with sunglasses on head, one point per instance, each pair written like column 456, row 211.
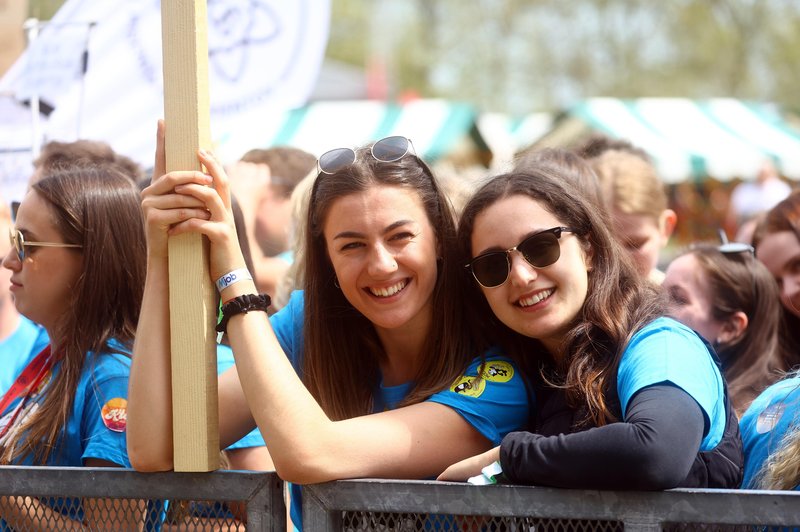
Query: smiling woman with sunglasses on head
column 727, row 296
column 377, row 337
column 624, row 398
column 77, row 266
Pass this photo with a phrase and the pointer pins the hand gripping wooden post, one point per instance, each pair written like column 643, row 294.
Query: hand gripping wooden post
column 191, row 292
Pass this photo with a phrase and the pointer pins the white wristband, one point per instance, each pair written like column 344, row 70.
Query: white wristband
column 233, row 277
column 488, row 475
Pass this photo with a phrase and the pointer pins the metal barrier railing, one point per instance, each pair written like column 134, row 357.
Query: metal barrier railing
column 426, row 505
column 61, row 498
column 58, row 497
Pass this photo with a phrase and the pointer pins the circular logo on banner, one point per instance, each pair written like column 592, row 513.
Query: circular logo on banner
column 256, row 48
column 470, row 386
column 498, row 371
column 115, row 414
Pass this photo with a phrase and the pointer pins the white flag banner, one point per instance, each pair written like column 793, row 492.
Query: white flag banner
column 264, row 58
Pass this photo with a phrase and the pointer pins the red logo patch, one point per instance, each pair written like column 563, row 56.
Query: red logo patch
column 115, row 414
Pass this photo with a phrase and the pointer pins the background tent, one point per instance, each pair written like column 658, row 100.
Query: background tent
column 435, row 127
column 722, row 138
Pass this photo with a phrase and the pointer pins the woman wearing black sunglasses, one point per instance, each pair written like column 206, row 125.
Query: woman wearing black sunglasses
column 625, row 398
column 388, row 382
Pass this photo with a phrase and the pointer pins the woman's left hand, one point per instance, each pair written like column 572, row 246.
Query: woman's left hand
column 225, row 253
column 470, row 467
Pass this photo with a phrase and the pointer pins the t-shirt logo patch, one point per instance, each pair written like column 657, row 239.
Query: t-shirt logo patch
column 470, row 386
column 498, row 371
column 769, row 417
column 115, row 414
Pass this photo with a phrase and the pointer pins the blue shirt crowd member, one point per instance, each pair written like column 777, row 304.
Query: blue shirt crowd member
column 495, row 404
column 771, row 417
column 96, row 425
column 16, row 351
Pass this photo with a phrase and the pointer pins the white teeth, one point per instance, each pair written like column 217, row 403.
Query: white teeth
column 390, row 291
column 541, row 296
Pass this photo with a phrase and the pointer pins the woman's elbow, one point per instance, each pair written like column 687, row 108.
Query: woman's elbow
column 146, row 460
column 656, row 471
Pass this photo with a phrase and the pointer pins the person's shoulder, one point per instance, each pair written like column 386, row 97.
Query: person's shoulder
column 668, row 326
column 114, row 361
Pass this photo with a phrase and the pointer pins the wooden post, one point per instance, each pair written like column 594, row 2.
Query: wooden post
column 191, row 292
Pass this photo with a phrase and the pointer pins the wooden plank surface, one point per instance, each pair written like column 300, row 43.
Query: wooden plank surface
column 192, row 295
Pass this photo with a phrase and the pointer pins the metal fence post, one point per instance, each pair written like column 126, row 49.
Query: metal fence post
column 317, row 516
column 266, row 510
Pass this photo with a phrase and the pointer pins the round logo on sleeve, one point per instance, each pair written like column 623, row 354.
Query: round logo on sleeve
column 115, row 414
column 470, row 386
column 498, row 371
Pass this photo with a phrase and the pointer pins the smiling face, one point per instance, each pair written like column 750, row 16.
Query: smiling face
column 780, row 253
column 690, row 297
column 383, row 249
column 42, row 284
column 539, row 303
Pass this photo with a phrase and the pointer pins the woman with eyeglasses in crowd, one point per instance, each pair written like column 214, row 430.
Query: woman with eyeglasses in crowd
column 625, row 398
column 771, row 426
column 77, row 267
column 368, row 372
column 728, row 297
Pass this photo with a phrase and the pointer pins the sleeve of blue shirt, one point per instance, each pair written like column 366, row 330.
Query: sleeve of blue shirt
column 287, row 324
column 667, row 351
column 494, row 405
column 105, row 379
column 253, row 438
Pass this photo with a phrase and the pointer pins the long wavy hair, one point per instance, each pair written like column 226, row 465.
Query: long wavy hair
column 342, row 350
column 785, row 216
column 98, row 208
column 618, row 302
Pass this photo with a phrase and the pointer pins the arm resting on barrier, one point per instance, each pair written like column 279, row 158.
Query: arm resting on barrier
column 652, row 449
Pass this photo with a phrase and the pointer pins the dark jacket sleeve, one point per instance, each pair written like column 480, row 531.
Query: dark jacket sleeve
column 651, row 449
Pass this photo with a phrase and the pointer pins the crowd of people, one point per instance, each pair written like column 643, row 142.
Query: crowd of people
column 524, row 333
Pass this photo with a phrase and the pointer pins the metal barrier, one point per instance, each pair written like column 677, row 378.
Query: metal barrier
column 59, row 498
column 127, row 500
column 425, row 505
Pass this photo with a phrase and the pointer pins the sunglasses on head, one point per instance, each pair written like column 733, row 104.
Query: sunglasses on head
column 19, row 243
column 387, row 150
column 539, row 250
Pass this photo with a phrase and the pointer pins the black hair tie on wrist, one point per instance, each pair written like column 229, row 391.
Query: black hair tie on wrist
column 242, row 304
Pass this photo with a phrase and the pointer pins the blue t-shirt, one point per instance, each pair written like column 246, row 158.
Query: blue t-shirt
column 253, row 438
column 19, row 349
column 495, row 405
column 96, row 424
column 769, row 418
column 668, row 351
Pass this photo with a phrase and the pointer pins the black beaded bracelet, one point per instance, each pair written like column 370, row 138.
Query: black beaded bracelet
column 244, row 303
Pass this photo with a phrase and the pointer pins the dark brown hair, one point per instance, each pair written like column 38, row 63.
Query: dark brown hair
column 59, row 156
column 98, row 208
column 342, row 349
column 287, row 166
column 618, row 301
column 739, row 282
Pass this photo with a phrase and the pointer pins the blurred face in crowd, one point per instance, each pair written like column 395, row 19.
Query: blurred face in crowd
column 643, row 236
column 780, row 253
column 690, row 296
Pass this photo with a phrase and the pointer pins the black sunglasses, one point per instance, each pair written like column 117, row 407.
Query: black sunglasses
column 539, row 250
column 387, row 150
